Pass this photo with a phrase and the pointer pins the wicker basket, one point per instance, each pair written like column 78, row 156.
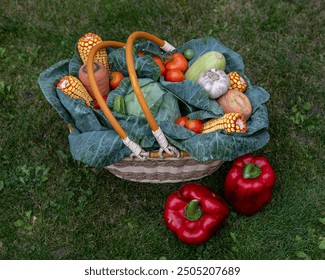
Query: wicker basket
column 167, row 165
column 157, row 170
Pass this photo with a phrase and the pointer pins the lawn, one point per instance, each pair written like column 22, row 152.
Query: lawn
column 53, row 207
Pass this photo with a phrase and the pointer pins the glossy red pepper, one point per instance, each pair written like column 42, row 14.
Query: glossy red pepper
column 194, row 213
column 249, row 183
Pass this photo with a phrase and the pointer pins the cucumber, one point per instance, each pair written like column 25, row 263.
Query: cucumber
column 119, row 105
column 204, row 63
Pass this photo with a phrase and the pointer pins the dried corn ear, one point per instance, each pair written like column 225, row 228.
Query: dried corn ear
column 231, row 122
column 72, row 87
column 85, row 44
column 237, row 81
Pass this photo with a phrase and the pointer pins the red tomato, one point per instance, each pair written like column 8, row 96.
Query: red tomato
column 160, row 64
column 140, row 54
column 96, row 106
column 176, row 61
column 194, row 125
column 182, row 120
column 115, row 79
column 174, row 75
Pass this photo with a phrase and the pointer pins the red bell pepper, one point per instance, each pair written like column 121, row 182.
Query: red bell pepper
column 249, row 183
column 194, row 213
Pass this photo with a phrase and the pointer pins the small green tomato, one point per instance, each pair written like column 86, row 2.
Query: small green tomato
column 189, row 54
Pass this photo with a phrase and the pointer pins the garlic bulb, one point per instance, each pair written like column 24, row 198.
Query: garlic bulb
column 215, row 82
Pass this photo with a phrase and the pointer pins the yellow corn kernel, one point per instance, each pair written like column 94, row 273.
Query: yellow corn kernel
column 85, row 44
column 231, row 122
column 73, row 88
column 237, row 81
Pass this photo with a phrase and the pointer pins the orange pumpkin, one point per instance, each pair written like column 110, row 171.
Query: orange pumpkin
column 235, row 101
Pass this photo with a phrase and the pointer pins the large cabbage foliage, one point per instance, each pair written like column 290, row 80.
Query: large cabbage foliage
column 94, row 142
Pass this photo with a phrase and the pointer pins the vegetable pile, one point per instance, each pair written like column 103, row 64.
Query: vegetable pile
column 202, row 101
column 202, row 82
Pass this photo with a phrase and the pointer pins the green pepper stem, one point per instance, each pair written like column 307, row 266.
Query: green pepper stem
column 251, row 171
column 193, row 211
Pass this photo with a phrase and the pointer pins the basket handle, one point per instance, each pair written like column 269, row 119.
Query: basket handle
column 136, row 149
column 156, row 130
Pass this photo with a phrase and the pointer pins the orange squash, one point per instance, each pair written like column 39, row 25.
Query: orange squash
column 235, row 101
column 101, row 77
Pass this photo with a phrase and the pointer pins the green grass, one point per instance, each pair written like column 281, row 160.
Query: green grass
column 53, row 207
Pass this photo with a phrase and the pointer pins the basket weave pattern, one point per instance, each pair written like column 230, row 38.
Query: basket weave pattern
column 171, row 170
